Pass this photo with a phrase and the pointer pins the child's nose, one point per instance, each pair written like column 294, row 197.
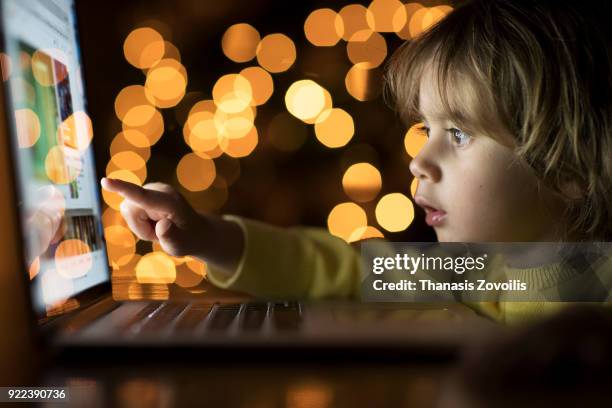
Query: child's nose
column 424, row 168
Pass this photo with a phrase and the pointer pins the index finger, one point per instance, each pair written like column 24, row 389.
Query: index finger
column 148, row 199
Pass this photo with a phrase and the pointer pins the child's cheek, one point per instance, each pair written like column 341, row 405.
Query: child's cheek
column 478, row 209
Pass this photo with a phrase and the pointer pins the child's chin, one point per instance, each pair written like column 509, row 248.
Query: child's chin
column 444, row 234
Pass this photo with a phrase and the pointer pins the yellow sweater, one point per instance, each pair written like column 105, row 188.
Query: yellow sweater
column 309, row 263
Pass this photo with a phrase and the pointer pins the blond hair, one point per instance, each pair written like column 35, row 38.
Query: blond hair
column 542, row 70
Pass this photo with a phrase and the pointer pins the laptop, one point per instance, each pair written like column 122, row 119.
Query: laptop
column 54, row 290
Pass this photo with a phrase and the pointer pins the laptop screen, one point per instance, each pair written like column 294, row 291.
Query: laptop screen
column 53, row 158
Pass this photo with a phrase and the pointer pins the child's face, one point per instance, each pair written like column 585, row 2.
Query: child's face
column 484, row 193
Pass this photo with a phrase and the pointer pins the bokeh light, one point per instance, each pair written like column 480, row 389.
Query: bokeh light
column 368, row 47
column 195, row 172
column 134, row 105
column 409, row 10
column 234, row 125
column 276, row 53
column 34, row 268
column 171, row 52
column 363, row 233
column 156, row 267
column 73, row 258
column 205, row 105
column 311, row 393
column 42, row 62
column 6, row 65
column 128, row 160
column 76, row 131
column 415, row 139
column 112, row 217
column 240, row 147
column 121, row 144
column 345, row 218
column 167, row 82
column 149, row 291
column 423, row 19
column 362, row 182
column 232, row 93
column 433, row 15
column 120, row 244
column 261, row 82
column 305, row 99
column 334, row 127
column 414, row 185
column 28, row 127
column 239, row 42
column 386, row 15
column 354, row 19
column 62, row 164
column 200, row 131
column 394, row 212
column 213, row 153
column 363, row 83
column 415, row 25
column 145, row 135
column 139, row 115
column 324, row 27
column 191, row 273
column 144, row 47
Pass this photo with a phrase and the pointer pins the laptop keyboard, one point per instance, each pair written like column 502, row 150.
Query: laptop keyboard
column 223, row 316
column 192, row 316
column 286, row 315
column 250, row 317
column 140, row 317
column 254, row 316
column 162, row 317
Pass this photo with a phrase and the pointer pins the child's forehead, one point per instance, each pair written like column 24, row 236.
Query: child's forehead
column 430, row 105
column 431, row 108
column 432, row 115
column 455, row 98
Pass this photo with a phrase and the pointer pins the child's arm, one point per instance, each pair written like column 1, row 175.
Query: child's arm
column 242, row 254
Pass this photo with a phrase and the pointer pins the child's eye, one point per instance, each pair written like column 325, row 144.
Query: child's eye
column 459, row 137
column 425, row 130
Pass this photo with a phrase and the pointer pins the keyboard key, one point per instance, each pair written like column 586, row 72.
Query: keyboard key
column 162, row 317
column 222, row 317
column 253, row 316
column 146, row 311
column 193, row 316
column 287, row 316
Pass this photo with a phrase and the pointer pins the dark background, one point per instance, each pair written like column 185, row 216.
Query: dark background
column 296, row 188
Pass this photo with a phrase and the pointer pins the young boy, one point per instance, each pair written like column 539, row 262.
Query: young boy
column 516, row 100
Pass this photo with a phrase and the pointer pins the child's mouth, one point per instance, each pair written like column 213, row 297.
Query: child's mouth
column 433, row 216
